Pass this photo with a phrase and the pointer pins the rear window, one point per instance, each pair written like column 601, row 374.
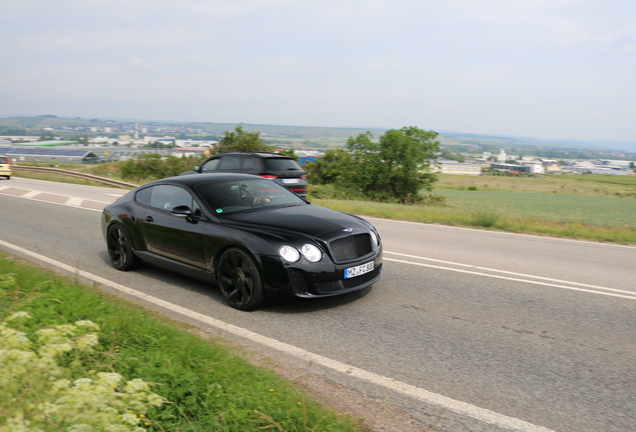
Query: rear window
column 4, row 160
column 280, row 164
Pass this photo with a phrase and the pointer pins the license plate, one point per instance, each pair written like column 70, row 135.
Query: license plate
column 290, row 181
column 358, row 270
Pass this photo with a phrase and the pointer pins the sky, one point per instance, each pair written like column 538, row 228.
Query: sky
column 549, row 69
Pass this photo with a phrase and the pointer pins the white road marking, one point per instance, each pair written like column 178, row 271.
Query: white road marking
column 74, row 201
column 417, row 393
column 513, row 273
column 630, row 295
column 56, row 203
column 482, row 231
column 31, row 194
column 4, row 187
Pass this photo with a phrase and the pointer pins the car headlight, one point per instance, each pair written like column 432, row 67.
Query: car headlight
column 376, row 239
column 289, row 253
column 311, row 252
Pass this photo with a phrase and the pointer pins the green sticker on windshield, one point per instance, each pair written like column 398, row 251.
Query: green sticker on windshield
column 219, row 210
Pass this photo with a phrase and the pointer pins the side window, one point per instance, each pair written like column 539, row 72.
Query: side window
column 230, row 162
column 143, row 196
column 249, row 163
column 167, row 197
column 210, row 165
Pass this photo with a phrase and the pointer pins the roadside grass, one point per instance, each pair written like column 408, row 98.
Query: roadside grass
column 107, row 170
column 209, row 387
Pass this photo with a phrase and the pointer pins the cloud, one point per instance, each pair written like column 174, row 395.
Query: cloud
column 136, row 62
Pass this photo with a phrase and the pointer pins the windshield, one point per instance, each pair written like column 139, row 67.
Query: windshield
column 245, row 195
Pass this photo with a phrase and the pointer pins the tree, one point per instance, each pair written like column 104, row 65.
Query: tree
column 329, row 168
column 290, row 153
column 242, row 141
column 395, row 167
column 449, row 155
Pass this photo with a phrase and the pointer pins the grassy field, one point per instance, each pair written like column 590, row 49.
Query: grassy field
column 604, row 211
column 205, row 385
column 588, row 184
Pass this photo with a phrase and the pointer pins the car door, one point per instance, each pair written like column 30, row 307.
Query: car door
column 177, row 240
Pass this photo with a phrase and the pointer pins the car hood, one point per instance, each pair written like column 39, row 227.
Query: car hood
column 311, row 220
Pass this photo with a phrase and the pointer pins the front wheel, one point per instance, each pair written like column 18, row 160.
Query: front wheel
column 239, row 280
column 120, row 249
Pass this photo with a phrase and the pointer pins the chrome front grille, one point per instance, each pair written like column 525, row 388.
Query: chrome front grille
column 351, row 247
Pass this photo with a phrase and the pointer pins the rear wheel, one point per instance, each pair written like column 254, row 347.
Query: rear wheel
column 239, row 280
column 120, row 249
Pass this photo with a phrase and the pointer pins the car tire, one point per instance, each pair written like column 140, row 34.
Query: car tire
column 240, row 280
column 120, row 249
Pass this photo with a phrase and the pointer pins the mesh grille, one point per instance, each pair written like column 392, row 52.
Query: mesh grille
column 352, row 247
column 298, row 283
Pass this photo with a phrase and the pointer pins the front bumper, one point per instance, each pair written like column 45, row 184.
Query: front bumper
column 306, row 285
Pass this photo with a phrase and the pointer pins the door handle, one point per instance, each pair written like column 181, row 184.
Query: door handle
column 149, row 219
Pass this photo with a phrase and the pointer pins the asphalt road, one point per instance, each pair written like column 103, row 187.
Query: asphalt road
column 534, row 333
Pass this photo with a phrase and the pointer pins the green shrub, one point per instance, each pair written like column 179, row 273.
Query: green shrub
column 153, row 166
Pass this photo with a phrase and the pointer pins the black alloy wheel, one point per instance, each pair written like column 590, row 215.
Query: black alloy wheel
column 240, row 280
column 120, row 250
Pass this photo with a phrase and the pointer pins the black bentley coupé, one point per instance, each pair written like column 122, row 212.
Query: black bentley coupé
column 251, row 236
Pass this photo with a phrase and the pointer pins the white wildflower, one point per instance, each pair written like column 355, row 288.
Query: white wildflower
column 19, row 316
column 86, row 342
column 135, row 386
column 90, row 325
column 104, row 403
column 130, row 419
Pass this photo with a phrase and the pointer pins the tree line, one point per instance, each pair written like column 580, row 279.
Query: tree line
column 392, row 168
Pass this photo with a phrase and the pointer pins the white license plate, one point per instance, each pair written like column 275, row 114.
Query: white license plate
column 290, row 181
column 358, row 270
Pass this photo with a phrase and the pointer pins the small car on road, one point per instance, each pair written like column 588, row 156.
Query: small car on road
column 5, row 167
column 249, row 235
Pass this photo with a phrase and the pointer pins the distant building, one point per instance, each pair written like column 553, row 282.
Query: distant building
column 536, row 167
column 502, row 158
column 79, row 154
column 504, row 167
column 456, row 168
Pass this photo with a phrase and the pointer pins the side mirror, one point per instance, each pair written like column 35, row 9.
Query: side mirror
column 182, row 210
column 197, row 168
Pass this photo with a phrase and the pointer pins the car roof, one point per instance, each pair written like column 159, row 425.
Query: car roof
column 257, row 154
column 194, row 180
